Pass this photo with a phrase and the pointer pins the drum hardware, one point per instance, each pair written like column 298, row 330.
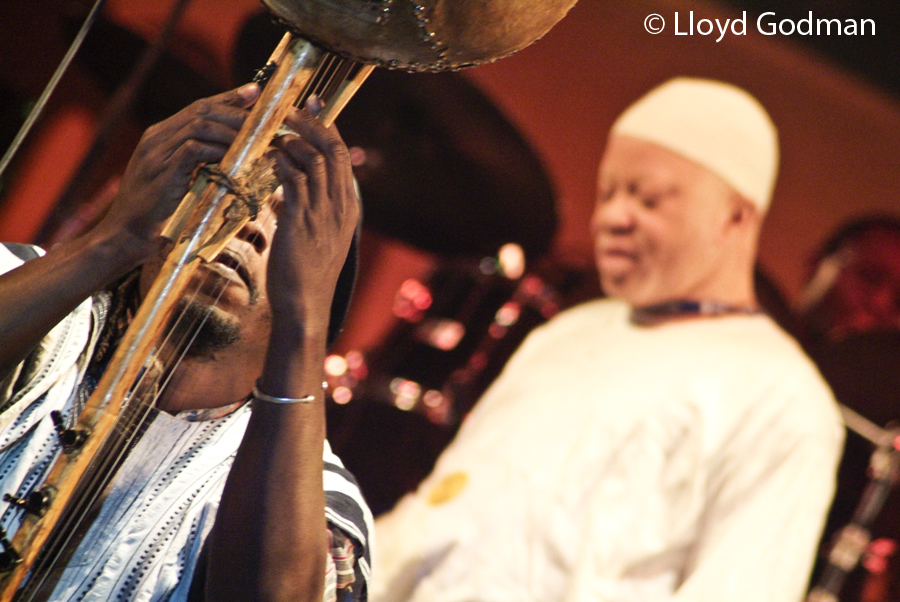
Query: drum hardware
column 452, row 329
column 851, row 541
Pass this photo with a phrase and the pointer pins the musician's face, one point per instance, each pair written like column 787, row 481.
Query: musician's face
column 229, row 292
column 657, row 224
column 866, row 295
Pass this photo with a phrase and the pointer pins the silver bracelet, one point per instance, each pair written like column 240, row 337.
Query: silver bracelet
column 257, row 394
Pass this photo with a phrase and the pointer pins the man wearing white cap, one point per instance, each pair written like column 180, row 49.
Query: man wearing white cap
column 669, row 443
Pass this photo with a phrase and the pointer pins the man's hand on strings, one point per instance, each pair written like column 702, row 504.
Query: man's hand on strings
column 317, row 216
column 163, row 164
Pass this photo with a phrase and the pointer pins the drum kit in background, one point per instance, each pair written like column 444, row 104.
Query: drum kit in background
column 442, row 170
column 393, row 409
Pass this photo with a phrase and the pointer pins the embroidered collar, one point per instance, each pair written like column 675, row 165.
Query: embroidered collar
column 654, row 314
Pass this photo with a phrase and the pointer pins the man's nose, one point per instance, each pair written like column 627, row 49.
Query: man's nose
column 614, row 214
column 254, row 232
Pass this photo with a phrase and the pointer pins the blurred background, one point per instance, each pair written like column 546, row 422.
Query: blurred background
column 478, row 185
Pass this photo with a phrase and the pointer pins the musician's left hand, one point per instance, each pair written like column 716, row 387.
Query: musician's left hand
column 274, row 502
column 317, row 216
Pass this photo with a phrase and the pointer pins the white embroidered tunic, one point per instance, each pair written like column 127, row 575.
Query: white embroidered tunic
column 691, row 461
column 145, row 542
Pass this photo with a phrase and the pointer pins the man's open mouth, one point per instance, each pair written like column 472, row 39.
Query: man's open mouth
column 235, row 262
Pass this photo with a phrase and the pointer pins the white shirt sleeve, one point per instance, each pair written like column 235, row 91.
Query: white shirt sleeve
column 766, row 507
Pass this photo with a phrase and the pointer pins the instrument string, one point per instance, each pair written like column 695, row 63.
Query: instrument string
column 41, row 102
column 318, row 85
column 126, row 430
column 114, row 449
column 329, row 85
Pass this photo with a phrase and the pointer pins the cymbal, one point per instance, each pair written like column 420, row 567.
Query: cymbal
column 438, row 164
column 442, row 169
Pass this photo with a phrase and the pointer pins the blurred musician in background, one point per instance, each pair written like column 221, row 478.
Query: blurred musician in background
column 855, row 286
column 245, row 403
column 850, row 324
column 669, row 443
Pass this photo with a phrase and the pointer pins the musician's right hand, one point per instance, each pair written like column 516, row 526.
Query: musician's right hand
column 162, row 167
column 37, row 295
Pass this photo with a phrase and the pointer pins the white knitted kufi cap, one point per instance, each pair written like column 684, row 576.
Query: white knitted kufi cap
column 717, row 125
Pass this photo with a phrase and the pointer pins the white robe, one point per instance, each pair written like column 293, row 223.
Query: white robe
column 611, row 462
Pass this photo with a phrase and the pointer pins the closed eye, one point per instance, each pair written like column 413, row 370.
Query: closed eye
column 650, row 202
column 605, row 193
column 651, row 199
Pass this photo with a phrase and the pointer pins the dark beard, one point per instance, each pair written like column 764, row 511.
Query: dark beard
column 216, row 331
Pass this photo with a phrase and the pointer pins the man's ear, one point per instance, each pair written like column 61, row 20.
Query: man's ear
column 743, row 212
column 738, row 211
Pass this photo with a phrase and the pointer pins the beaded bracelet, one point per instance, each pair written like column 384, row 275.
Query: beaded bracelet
column 257, row 394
